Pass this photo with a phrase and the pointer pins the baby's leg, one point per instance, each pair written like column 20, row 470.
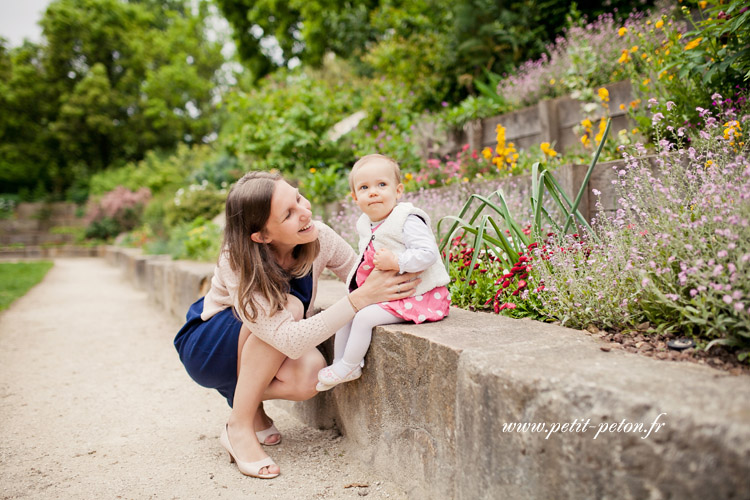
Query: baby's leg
column 340, row 341
column 361, row 334
column 348, row 368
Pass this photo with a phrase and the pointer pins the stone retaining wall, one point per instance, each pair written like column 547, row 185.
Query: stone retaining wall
column 433, row 400
column 50, row 252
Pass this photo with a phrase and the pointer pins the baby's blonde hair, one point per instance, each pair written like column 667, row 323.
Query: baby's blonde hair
column 368, row 158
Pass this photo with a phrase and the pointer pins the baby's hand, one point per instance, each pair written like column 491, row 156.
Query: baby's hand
column 385, row 260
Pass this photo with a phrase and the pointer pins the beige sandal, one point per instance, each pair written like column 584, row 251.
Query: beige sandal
column 247, row 468
column 265, row 434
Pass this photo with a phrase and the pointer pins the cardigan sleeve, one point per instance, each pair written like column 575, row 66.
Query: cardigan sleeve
column 294, row 338
column 340, row 256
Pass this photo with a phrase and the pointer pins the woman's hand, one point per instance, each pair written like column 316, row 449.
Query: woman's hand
column 384, row 286
column 385, row 260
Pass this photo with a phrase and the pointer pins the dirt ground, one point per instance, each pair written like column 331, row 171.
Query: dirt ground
column 94, row 404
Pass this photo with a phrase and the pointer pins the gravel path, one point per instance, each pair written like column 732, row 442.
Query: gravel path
column 94, row 403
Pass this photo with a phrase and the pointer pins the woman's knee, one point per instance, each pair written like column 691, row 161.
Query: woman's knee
column 302, row 374
column 294, row 306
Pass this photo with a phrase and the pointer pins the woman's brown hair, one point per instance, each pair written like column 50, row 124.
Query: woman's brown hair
column 247, row 211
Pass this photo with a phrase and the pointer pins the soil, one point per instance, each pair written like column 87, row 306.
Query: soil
column 94, row 403
column 656, row 347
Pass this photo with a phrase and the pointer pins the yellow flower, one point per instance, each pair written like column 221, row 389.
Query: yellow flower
column 702, row 5
column 408, row 176
column 644, row 55
column 552, row 81
column 709, row 163
column 693, row 44
column 586, row 123
column 547, row 150
column 646, row 82
column 634, row 131
column 465, row 179
column 633, row 49
column 312, row 170
column 624, row 57
column 585, row 140
column 622, row 31
column 659, row 23
column 622, row 107
column 635, row 103
column 487, row 153
column 603, row 94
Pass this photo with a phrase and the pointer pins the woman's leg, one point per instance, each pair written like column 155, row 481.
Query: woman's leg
column 259, row 365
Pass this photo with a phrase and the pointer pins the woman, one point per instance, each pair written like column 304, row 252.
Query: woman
column 247, row 337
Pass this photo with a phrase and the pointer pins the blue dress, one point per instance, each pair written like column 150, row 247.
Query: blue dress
column 208, row 349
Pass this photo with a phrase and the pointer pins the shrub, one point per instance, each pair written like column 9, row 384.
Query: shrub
column 197, row 200
column 199, row 239
column 677, row 251
column 157, row 172
column 116, row 211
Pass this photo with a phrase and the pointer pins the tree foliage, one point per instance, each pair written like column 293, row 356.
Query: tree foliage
column 439, row 47
column 111, row 81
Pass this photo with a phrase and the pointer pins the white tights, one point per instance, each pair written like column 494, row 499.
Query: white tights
column 353, row 339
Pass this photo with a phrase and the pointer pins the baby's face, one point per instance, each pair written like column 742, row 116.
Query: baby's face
column 376, row 190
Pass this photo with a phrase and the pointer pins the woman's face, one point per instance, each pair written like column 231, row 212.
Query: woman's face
column 290, row 222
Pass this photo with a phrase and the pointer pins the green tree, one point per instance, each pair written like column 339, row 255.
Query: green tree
column 27, row 104
column 435, row 47
column 111, row 81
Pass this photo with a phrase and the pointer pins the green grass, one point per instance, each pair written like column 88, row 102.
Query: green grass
column 17, row 278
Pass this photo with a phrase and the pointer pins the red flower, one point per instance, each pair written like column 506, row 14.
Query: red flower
column 472, row 282
column 521, row 284
column 515, row 293
column 506, row 284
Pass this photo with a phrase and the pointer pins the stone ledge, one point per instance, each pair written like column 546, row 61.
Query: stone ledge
column 432, row 401
column 50, row 252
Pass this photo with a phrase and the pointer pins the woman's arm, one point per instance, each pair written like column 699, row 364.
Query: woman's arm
column 294, row 338
column 340, row 256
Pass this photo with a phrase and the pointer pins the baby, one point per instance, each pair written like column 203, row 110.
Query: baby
column 392, row 236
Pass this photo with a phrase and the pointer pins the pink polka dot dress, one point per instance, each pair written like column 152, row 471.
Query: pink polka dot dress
column 430, row 306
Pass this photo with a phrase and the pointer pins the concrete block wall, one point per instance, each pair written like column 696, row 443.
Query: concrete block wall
column 435, row 401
